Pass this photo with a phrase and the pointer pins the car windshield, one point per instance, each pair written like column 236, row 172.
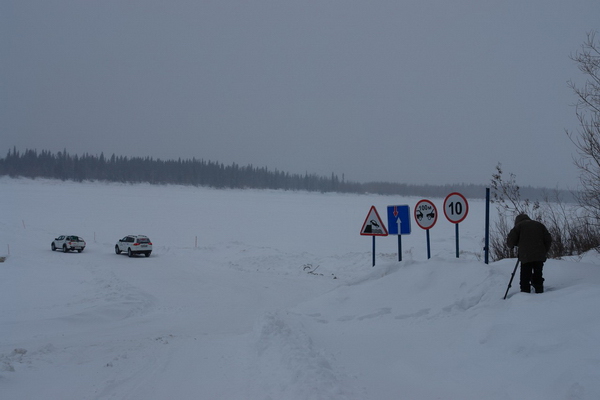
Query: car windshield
column 143, row 240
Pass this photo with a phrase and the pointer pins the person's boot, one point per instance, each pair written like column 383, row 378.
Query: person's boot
column 538, row 285
column 526, row 289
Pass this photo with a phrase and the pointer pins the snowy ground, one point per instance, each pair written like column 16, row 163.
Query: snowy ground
column 240, row 316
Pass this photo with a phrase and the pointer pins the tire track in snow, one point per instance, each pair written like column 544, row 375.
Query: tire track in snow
column 290, row 367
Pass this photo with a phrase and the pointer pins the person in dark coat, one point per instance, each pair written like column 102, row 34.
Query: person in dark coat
column 533, row 240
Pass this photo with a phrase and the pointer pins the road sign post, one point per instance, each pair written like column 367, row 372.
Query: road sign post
column 456, row 209
column 373, row 226
column 426, row 217
column 399, row 224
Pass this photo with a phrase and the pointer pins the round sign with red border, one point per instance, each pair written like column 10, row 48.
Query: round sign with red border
column 425, row 214
column 456, row 207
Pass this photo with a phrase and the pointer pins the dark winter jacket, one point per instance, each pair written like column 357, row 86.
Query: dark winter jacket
column 532, row 238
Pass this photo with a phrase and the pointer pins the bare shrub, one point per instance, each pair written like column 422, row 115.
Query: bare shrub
column 587, row 138
column 507, row 198
column 572, row 228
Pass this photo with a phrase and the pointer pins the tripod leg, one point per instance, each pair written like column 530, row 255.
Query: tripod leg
column 511, row 278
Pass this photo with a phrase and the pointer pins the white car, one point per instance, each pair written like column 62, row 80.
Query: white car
column 134, row 244
column 68, row 243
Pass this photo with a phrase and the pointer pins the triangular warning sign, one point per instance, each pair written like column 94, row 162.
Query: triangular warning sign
column 373, row 225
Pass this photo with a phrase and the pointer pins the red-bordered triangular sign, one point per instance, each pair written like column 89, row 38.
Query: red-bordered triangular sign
column 373, row 225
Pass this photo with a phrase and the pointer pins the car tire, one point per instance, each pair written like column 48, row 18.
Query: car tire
column 117, row 249
column 79, row 250
column 147, row 254
column 65, row 248
column 129, row 253
column 53, row 247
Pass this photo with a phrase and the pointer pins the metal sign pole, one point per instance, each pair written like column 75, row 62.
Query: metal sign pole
column 373, row 251
column 428, row 246
column 457, row 252
column 399, row 247
column 487, row 225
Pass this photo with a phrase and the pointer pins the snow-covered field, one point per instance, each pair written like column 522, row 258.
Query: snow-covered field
column 277, row 300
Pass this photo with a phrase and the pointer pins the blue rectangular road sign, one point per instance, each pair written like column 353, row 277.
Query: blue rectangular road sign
column 398, row 220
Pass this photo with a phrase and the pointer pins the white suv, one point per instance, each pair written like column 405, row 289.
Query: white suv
column 68, row 243
column 134, row 244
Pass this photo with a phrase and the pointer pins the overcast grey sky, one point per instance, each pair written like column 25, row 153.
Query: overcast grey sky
column 419, row 91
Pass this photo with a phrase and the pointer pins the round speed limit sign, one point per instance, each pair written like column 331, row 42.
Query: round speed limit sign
column 456, row 207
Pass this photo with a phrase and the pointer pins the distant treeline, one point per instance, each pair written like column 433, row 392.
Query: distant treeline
column 87, row 167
